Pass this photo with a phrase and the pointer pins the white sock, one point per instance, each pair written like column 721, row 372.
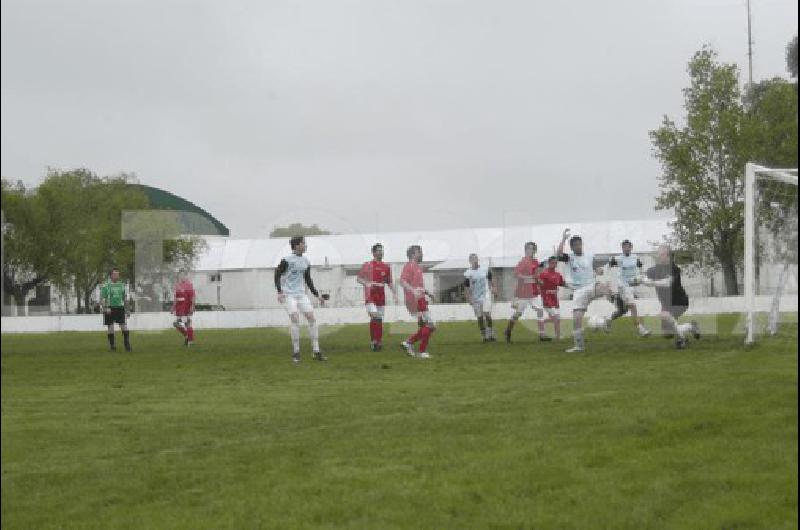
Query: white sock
column 313, row 330
column 294, row 329
column 578, row 335
column 683, row 329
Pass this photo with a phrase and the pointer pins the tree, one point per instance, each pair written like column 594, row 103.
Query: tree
column 772, row 122
column 298, row 229
column 791, row 57
column 702, row 163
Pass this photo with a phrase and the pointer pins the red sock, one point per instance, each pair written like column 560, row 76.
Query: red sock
column 190, row 333
column 378, row 331
column 373, row 331
column 415, row 337
column 426, row 335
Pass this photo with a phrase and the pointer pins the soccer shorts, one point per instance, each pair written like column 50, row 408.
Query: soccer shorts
column 116, row 316
column 482, row 305
column 675, row 310
column 375, row 310
column 521, row 305
column 583, row 296
column 552, row 312
column 183, row 310
column 298, row 302
column 627, row 294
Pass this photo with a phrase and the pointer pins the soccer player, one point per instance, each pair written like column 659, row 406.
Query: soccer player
column 527, row 293
column 112, row 297
column 291, row 278
column 411, row 279
column 550, row 280
column 624, row 299
column 583, row 268
column 480, row 288
column 665, row 276
column 375, row 275
column 183, row 308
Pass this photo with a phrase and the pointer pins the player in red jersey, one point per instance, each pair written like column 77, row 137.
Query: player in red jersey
column 416, row 302
column 549, row 282
column 183, row 308
column 527, row 293
column 375, row 275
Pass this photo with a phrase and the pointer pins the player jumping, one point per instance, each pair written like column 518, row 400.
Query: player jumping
column 293, row 271
column 480, row 288
column 583, row 268
column 374, row 276
column 416, row 302
column 112, row 297
column 625, row 299
column 550, row 280
column 527, row 293
column 183, row 308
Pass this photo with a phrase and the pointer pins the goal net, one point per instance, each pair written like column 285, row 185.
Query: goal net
column 770, row 253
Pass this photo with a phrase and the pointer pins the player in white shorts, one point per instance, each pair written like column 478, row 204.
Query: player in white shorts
column 480, row 287
column 624, row 299
column 586, row 288
column 291, row 278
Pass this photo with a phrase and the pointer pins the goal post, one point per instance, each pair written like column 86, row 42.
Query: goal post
column 770, row 244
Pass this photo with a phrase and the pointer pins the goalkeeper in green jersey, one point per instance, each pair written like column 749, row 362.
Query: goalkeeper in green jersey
column 112, row 295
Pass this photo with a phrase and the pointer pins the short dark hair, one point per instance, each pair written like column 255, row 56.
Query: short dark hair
column 627, row 242
column 573, row 239
column 113, row 269
column 375, row 247
column 531, row 244
column 296, row 240
column 410, row 250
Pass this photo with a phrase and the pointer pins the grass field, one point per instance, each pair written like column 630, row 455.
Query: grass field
column 631, row 434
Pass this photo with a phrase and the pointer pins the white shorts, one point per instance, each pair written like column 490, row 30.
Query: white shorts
column 552, row 312
column 627, row 293
column 298, row 302
column 482, row 305
column 373, row 309
column 583, row 297
column 521, row 305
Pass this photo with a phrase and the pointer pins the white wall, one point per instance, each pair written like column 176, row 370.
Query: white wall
column 350, row 315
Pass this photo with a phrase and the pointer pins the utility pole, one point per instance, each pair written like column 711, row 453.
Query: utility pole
column 749, row 46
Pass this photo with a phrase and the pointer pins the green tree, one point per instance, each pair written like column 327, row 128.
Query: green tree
column 702, row 165
column 791, row 57
column 298, row 229
column 771, row 126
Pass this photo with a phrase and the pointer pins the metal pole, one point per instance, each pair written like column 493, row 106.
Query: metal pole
column 749, row 250
column 749, row 46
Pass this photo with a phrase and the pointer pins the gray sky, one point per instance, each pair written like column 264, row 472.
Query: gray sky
column 369, row 114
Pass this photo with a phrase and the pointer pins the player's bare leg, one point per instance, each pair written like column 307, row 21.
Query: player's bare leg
column 540, row 325
column 638, row 323
column 511, row 322
column 294, row 331
column 557, row 326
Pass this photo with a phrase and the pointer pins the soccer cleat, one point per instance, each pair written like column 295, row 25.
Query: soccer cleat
column 681, row 343
column 379, row 347
column 318, row 356
column 409, row 348
column 644, row 332
column 296, row 358
column 112, row 348
column 695, row 329
column 424, row 355
column 128, row 348
column 575, row 349
column 373, row 346
column 545, row 338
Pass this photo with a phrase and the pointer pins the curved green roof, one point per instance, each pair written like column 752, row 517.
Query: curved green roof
column 202, row 223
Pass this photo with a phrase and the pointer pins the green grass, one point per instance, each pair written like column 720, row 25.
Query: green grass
column 631, row 434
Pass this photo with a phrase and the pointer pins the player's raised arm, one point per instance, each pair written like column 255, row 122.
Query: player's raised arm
column 564, row 237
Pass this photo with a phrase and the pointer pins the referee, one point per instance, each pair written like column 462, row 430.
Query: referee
column 112, row 295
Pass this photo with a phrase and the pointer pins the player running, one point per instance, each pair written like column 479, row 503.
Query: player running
column 625, row 298
column 375, row 275
column 291, row 278
column 665, row 276
column 183, row 308
column 411, row 279
column 527, row 293
column 112, row 298
column 550, row 280
column 480, row 287
column 583, row 268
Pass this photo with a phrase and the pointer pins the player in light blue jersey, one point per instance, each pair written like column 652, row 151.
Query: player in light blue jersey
column 624, row 299
column 291, row 278
column 480, row 288
column 582, row 270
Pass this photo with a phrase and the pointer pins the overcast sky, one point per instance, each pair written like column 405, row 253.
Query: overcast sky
column 367, row 115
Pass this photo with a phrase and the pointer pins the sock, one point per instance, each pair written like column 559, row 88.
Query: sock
column 379, row 330
column 426, row 335
column 372, row 331
column 511, row 323
column 578, row 336
column 540, row 325
column 181, row 330
column 190, row 333
column 294, row 331
column 489, row 321
column 683, row 329
column 126, row 337
column 416, row 336
column 482, row 326
column 111, row 339
column 313, row 330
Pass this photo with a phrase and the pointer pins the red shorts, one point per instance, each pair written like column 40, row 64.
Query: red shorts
column 183, row 310
column 420, row 307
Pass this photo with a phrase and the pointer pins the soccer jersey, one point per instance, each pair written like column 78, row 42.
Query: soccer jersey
column 526, row 267
column 377, row 272
column 184, row 297
column 113, row 294
column 293, row 274
column 628, row 267
column 581, row 269
column 671, row 296
column 551, row 280
column 412, row 275
column 478, row 281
